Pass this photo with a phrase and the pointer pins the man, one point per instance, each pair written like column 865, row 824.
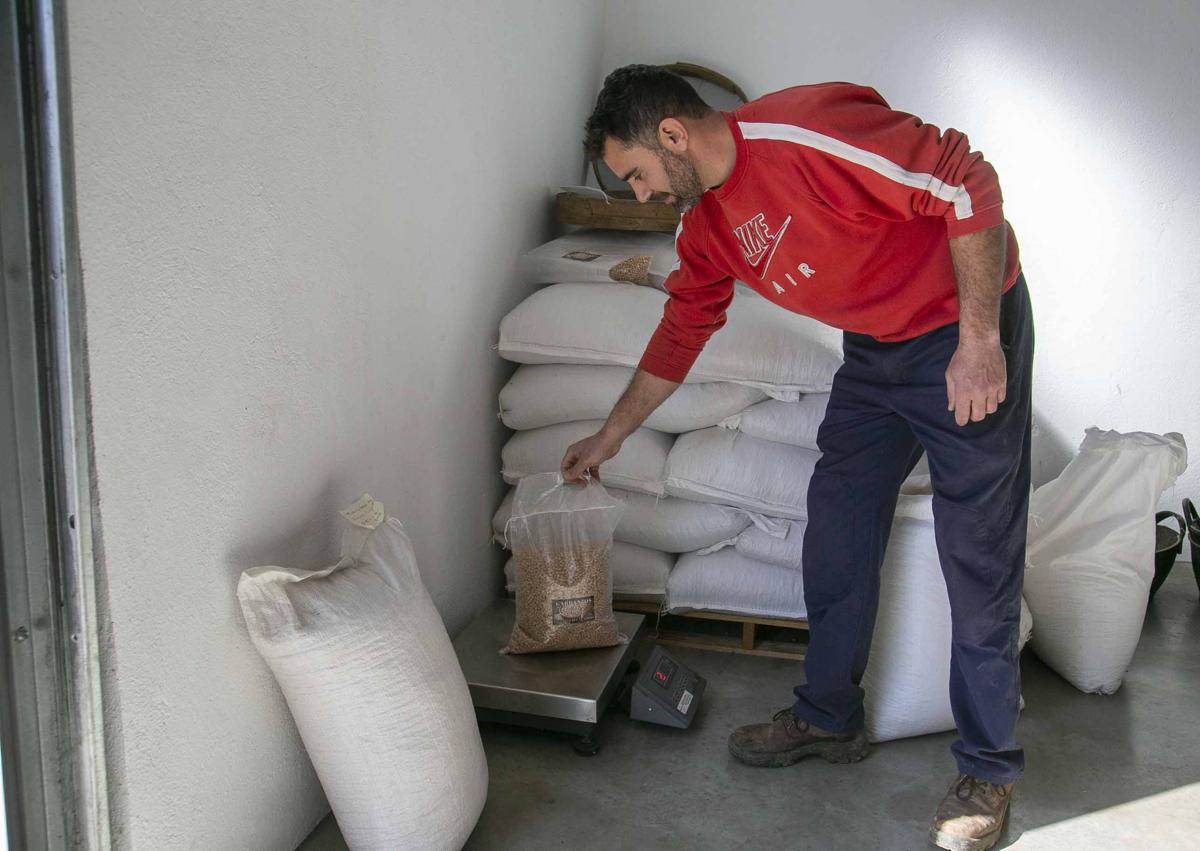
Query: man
column 829, row 203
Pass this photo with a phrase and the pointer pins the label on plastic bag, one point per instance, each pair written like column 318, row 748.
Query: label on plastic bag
column 574, row 610
column 367, row 512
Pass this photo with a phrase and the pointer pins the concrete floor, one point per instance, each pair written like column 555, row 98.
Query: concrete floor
column 1116, row 772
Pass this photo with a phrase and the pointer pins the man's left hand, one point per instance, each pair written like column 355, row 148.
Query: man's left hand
column 975, row 380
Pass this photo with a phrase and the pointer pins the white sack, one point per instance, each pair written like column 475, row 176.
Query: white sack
column 762, row 345
column 602, row 256
column 786, row 551
column 727, row 581
column 374, row 685
column 907, row 680
column 636, row 571
column 639, row 466
column 544, row 394
column 666, row 524
column 1090, row 556
column 727, row 467
column 794, row 423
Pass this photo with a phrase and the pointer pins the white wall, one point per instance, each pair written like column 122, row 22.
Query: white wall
column 299, row 223
column 1088, row 111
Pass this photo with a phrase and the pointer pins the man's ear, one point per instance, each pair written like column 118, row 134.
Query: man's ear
column 672, row 135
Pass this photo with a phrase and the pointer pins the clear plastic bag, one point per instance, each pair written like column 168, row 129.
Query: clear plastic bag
column 561, row 536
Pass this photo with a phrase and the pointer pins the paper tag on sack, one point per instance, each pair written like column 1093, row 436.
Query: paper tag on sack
column 367, row 512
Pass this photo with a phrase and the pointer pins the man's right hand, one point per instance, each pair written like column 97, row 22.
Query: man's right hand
column 644, row 393
column 587, row 455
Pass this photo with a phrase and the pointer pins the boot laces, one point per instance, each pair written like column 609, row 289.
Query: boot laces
column 785, row 714
column 967, row 785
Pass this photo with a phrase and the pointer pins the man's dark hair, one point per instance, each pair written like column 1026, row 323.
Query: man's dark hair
column 634, row 100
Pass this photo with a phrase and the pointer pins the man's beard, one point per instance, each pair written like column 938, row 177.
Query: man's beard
column 682, row 178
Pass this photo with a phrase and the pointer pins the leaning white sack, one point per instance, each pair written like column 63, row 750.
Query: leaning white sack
column 727, row 581
column 1090, row 557
column 601, row 256
column 667, row 524
column 544, row 394
column 373, row 683
column 907, row 680
column 636, row 571
column 727, row 467
column 794, row 423
column 639, row 466
column 761, row 345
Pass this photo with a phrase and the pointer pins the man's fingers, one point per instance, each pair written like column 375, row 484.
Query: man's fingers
column 573, row 466
column 975, row 384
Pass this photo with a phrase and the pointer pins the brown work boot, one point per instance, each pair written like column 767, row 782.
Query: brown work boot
column 787, row 740
column 971, row 815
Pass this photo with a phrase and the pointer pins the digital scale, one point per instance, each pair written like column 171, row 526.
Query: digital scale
column 568, row 691
column 666, row 692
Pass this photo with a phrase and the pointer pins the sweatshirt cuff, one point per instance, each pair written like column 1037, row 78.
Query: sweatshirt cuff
column 669, row 369
column 980, row 220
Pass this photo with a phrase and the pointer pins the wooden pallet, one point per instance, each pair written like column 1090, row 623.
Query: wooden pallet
column 750, row 643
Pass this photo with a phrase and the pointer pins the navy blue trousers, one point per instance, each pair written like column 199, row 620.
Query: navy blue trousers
column 888, row 405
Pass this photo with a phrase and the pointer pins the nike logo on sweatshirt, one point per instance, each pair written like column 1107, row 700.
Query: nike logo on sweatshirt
column 758, row 243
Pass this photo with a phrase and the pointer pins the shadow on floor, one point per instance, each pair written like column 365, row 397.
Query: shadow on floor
column 652, row 787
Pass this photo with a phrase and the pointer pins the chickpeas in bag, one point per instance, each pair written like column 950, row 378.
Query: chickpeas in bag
column 561, row 536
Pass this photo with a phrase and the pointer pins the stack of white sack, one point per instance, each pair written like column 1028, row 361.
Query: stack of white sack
column 655, row 527
column 779, row 352
column 760, row 574
column 723, row 464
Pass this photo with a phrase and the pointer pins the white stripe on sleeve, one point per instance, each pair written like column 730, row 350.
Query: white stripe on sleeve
column 678, row 233
column 880, row 165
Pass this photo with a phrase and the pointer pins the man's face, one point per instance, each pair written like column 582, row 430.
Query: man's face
column 655, row 174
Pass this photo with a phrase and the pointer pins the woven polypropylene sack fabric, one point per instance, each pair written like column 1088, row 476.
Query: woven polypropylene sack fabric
column 793, row 423
column 761, row 345
column 659, row 523
column 730, row 468
column 727, row 581
column 636, row 571
column 1090, row 557
column 786, row 551
column 545, row 394
column 373, row 683
column 639, row 466
column 601, row 256
column 907, row 680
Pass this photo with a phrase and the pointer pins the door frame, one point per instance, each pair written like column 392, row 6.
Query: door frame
column 51, row 707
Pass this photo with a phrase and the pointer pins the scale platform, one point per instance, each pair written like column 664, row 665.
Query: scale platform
column 566, row 691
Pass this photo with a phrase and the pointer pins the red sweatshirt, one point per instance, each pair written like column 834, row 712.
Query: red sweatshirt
column 838, row 207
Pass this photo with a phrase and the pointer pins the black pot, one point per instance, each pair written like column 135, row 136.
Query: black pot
column 1193, row 533
column 1168, row 543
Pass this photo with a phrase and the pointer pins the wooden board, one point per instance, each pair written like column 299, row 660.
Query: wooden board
column 616, row 213
column 770, row 649
column 748, row 643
